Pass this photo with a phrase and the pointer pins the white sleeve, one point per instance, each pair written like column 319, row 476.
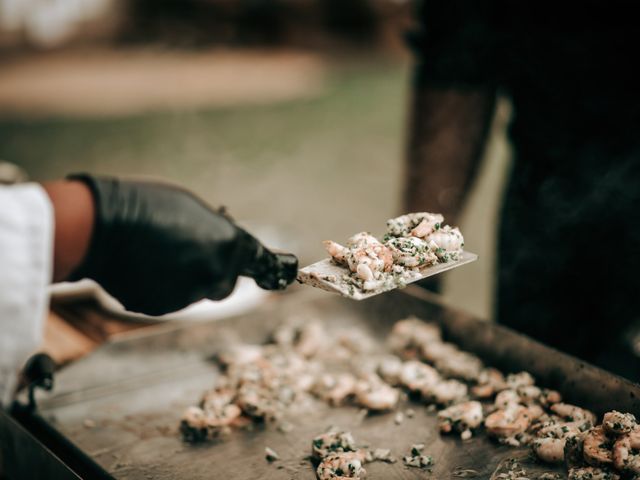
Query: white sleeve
column 26, row 252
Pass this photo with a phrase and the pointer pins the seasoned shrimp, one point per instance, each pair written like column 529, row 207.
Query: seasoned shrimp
column 338, row 252
column 390, row 368
column 549, row 397
column 365, row 247
column 215, row 400
column 521, row 379
column 418, row 224
column 573, row 450
column 193, row 425
column 462, row 417
column 560, row 429
column 548, row 449
column 460, row 365
column 364, row 255
column 310, row 339
column 374, row 394
column 616, row 423
column 335, row 389
column 434, row 351
column 409, row 336
column 258, row 402
column 427, row 226
column 213, row 418
column 490, row 381
column 445, row 392
column 240, row 354
column 506, row 398
column 598, row 447
column 333, row 441
column 447, row 243
column 417, row 376
column 508, row 422
column 411, row 252
column 572, row 413
column 340, row 466
column 625, row 452
column 529, row 394
column 592, row 473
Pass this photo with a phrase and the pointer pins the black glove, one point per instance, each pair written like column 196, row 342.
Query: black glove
column 158, row 248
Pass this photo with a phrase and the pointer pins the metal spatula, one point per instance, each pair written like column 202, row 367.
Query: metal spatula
column 326, row 275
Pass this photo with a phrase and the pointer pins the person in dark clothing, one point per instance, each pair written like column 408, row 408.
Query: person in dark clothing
column 569, row 241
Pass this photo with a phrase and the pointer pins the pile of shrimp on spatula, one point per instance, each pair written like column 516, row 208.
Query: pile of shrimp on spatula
column 415, row 246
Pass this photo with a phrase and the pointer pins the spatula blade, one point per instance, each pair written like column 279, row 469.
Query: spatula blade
column 327, row 275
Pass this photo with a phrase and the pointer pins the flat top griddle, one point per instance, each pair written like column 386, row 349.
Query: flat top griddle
column 121, row 405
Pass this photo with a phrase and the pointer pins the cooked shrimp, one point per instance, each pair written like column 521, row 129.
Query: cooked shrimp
column 193, row 425
column 462, row 417
column 374, row 394
column 427, row 226
column 409, row 336
column 549, row 397
column 598, row 447
column 434, row 351
column 311, row 338
column 592, row 473
column 239, row 354
column 535, row 412
column 529, row 394
column 447, row 242
column 445, row 392
column 340, row 466
column 364, row 255
column 573, row 450
column 258, row 402
column 548, row 449
column 338, row 252
column 560, row 429
column 365, row 248
column 335, row 388
column 418, row 224
column 506, row 398
column 333, row 441
column 411, row 252
column 490, row 381
column 460, row 365
column 572, row 413
column 616, row 423
column 625, row 452
column 521, row 379
column 390, row 368
column 417, row 376
column 508, row 422
column 215, row 400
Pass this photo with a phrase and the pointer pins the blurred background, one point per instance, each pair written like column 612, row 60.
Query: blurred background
column 291, row 113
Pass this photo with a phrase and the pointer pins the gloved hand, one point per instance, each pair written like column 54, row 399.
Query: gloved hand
column 158, row 248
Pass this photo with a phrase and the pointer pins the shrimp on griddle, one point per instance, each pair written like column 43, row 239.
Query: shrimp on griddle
column 617, row 423
column 462, row 418
column 598, row 447
column 341, row 466
column 333, row 441
column 374, row 394
column 625, row 452
column 409, row 336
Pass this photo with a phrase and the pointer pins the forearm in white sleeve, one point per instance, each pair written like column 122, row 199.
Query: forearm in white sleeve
column 26, row 252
